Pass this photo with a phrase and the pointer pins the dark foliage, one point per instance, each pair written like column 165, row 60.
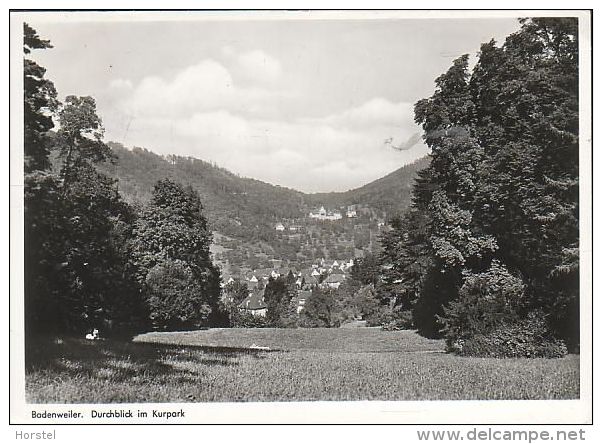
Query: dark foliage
column 502, row 184
column 279, row 295
column 171, row 257
column 321, row 310
column 242, row 319
column 526, row 338
column 77, row 228
column 38, row 105
column 484, row 301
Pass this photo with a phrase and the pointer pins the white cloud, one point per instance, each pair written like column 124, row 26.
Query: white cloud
column 205, row 86
column 202, row 112
column 308, row 157
column 374, row 113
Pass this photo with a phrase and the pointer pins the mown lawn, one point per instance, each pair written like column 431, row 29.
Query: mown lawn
column 301, row 365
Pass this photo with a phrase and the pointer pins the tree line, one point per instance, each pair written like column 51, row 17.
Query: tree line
column 488, row 254
column 92, row 260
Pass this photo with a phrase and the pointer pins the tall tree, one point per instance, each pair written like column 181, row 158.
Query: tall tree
column 279, row 297
column 503, row 179
column 172, row 246
column 529, row 125
column 79, row 138
column 43, row 220
column 39, row 104
column 444, row 194
column 76, row 225
column 103, row 291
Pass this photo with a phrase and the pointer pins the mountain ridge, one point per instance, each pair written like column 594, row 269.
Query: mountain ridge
column 398, row 182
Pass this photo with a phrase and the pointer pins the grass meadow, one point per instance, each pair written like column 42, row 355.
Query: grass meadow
column 301, row 365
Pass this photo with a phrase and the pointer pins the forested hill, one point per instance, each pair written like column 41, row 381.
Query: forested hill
column 390, row 194
column 235, row 204
column 229, row 201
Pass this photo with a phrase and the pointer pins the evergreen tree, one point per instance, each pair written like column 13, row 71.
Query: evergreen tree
column 172, row 258
column 43, row 220
column 39, row 104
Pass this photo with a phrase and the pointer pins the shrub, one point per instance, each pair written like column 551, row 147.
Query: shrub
column 402, row 321
column 241, row 319
column 390, row 319
column 528, row 338
column 485, row 301
column 487, row 319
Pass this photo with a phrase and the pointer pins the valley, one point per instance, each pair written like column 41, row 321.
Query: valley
column 258, row 226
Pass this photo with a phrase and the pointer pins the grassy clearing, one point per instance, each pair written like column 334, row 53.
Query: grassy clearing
column 303, row 365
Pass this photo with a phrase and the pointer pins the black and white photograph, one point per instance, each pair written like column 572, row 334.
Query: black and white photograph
column 316, row 208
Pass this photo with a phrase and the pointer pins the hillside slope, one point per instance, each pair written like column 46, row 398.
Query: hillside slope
column 390, row 194
column 230, row 202
column 244, row 213
column 244, row 200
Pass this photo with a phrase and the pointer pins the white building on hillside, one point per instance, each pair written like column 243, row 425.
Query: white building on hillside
column 322, row 214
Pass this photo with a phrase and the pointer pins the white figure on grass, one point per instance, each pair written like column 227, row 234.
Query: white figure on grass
column 93, row 336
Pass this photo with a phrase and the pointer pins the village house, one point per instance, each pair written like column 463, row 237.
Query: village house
column 254, row 304
column 301, row 299
column 309, row 281
column 333, row 281
column 322, row 214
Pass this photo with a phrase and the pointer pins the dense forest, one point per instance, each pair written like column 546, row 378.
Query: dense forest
column 243, row 212
column 488, row 254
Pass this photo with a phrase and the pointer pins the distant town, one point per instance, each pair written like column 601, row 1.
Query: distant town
column 340, row 234
column 325, row 274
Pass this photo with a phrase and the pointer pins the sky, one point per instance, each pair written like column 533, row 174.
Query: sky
column 311, row 104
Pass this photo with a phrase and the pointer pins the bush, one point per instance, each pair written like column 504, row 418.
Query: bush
column 241, row 319
column 485, row 301
column 403, row 321
column 390, row 319
column 488, row 319
column 321, row 310
column 528, row 338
